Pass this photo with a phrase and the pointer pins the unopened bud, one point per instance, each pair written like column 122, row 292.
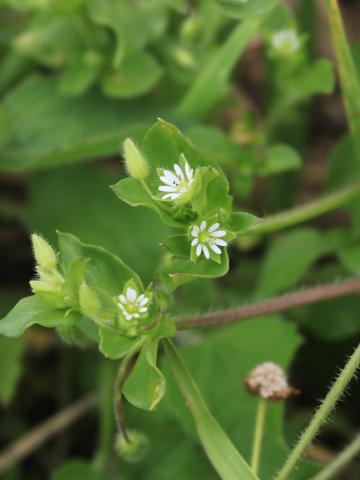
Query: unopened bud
column 134, row 448
column 89, row 301
column 44, row 254
column 268, row 380
column 136, row 163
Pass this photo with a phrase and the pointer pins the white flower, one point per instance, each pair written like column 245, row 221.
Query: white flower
column 205, row 238
column 177, row 183
column 286, row 41
column 133, row 305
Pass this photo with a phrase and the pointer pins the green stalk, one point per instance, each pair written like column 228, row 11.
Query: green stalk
column 211, row 82
column 340, row 461
column 106, row 436
column 220, row 450
column 308, row 211
column 349, row 78
column 321, row 415
column 258, row 434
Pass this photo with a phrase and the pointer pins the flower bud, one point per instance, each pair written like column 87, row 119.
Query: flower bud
column 89, row 302
column 133, row 449
column 135, row 162
column 44, row 254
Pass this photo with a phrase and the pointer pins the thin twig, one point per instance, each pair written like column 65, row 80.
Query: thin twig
column 31, row 441
column 277, row 304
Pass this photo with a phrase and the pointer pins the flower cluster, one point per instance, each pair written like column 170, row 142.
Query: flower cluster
column 286, row 42
column 268, row 380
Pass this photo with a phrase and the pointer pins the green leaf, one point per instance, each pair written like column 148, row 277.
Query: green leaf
column 349, row 256
column 113, row 345
column 87, row 191
column 146, row 385
column 50, row 130
column 288, row 259
column 317, row 79
column 219, row 364
column 164, row 143
column 133, row 193
column 280, row 158
column 78, row 470
column 129, row 80
column 178, row 245
column 246, row 8
column 240, row 222
column 179, row 270
column 30, row 311
column 11, row 351
column 5, row 126
column 349, row 77
column 77, row 77
column 210, row 85
column 103, row 269
column 222, row 453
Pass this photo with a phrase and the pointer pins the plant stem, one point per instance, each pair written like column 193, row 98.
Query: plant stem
column 349, row 78
column 308, row 211
column 123, row 371
column 277, row 304
column 106, row 383
column 258, row 434
column 340, row 461
column 220, row 450
column 321, row 414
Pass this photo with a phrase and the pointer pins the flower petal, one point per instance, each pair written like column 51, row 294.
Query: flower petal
column 194, row 242
column 220, row 242
column 198, row 249
column 122, row 299
column 178, row 171
column 167, row 188
column 189, row 172
column 219, row 233
column 206, row 252
column 171, row 177
column 215, row 248
column 203, row 225
column 143, row 309
column 131, row 294
column 195, row 231
column 214, row 227
column 144, row 301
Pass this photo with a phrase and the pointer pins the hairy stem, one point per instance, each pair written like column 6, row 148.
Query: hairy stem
column 308, row 211
column 321, row 414
column 258, row 434
column 340, row 461
column 277, row 304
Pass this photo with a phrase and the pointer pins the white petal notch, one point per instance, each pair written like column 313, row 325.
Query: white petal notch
column 178, row 182
column 206, row 240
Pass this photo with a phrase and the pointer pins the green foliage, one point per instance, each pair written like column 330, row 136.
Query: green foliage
column 79, row 470
column 11, row 352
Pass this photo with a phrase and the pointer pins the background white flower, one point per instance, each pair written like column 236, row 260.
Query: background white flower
column 176, row 183
column 133, row 305
column 208, row 237
column 286, row 41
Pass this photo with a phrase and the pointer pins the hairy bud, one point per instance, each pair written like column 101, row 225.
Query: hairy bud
column 136, row 163
column 89, row 302
column 44, row 254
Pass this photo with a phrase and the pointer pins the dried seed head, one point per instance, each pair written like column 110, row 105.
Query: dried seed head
column 268, row 380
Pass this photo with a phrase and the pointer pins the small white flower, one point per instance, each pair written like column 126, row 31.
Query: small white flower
column 207, row 237
column 132, row 305
column 286, row 41
column 177, row 183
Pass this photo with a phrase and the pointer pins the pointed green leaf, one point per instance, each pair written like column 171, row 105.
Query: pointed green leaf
column 113, row 345
column 103, row 269
column 30, row 311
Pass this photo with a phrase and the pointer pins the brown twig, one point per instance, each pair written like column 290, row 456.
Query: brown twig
column 277, row 304
column 31, row 441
